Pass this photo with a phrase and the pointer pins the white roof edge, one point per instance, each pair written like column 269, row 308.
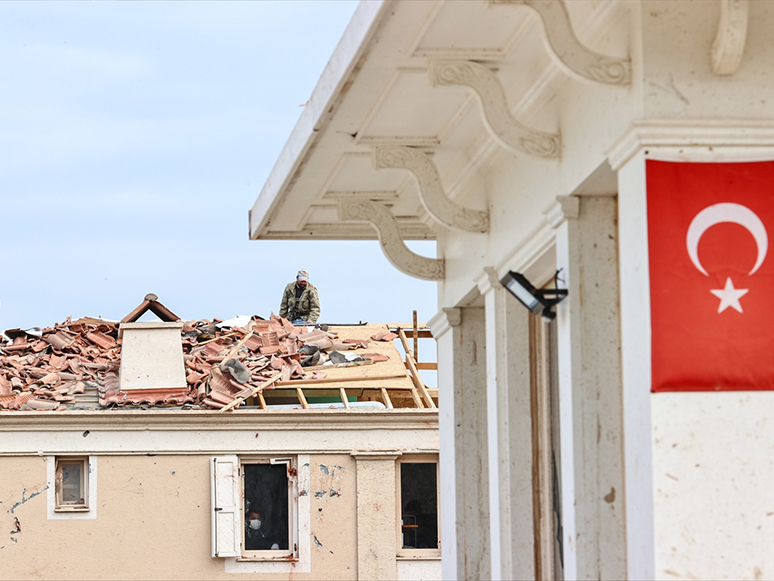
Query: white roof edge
column 351, row 46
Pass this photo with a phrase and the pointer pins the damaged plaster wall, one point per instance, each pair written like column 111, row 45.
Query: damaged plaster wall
column 154, row 521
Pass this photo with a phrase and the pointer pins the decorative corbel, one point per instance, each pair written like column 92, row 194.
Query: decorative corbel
column 569, row 53
column 393, row 246
column 493, row 103
column 728, row 48
column 431, row 192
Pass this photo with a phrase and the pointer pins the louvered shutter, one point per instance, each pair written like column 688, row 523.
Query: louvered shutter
column 225, row 483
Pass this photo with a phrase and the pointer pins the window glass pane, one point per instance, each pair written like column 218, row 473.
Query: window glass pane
column 266, row 507
column 419, row 510
column 71, row 482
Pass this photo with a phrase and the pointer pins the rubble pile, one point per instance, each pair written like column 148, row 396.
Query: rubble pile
column 51, row 368
column 44, row 369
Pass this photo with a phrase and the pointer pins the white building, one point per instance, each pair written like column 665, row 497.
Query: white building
column 515, row 134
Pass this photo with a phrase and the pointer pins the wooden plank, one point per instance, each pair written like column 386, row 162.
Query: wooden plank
column 255, row 390
column 261, row 400
column 420, row 326
column 344, row 398
column 386, row 398
column 416, row 338
column 214, row 339
column 415, row 373
column 430, row 365
column 350, row 364
column 403, row 340
column 301, row 398
column 416, row 398
column 323, row 382
column 237, row 348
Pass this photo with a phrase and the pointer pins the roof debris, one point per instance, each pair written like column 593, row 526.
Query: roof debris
column 75, row 364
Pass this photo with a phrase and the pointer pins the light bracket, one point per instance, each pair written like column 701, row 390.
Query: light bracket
column 538, row 301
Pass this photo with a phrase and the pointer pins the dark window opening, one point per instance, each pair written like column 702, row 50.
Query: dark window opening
column 419, row 505
column 266, row 507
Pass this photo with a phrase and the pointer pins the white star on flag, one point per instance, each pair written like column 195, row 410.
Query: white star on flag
column 729, row 296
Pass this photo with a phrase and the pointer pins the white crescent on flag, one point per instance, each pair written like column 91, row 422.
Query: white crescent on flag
column 726, row 212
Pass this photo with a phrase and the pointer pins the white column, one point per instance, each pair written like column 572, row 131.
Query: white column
column 636, row 371
column 463, row 443
column 590, row 408
column 509, row 431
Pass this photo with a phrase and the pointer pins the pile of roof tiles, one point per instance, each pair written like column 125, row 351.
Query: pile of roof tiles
column 219, row 376
column 47, row 369
column 44, row 369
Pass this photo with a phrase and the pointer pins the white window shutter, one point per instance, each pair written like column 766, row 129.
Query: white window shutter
column 225, row 485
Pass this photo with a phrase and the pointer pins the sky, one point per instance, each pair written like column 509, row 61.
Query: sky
column 134, row 139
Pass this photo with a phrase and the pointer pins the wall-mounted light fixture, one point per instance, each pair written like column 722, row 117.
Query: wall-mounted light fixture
column 539, row 301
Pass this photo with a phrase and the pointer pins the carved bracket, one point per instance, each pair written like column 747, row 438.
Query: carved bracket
column 493, row 103
column 569, row 53
column 393, row 246
column 431, row 191
column 728, row 48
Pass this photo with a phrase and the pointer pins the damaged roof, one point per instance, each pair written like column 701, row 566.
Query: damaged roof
column 262, row 364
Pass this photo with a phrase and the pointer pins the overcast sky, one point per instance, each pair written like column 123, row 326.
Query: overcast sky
column 135, row 138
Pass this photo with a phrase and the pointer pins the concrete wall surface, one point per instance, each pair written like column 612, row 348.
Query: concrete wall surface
column 713, row 464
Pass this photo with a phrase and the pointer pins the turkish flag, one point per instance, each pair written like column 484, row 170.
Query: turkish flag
column 711, row 279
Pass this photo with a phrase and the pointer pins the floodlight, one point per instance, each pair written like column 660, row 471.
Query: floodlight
column 538, row 301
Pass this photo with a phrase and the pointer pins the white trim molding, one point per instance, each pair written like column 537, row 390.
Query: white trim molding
column 493, row 104
column 572, row 56
column 728, row 48
column 431, row 192
column 393, row 246
column 755, row 135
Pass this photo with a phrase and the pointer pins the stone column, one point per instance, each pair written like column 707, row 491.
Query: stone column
column 465, row 540
column 590, row 399
column 377, row 516
column 509, row 431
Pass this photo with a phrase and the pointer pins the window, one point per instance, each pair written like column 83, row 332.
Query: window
column 72, row 484
column 268, row 508
column 418, row 505
column 255, row 513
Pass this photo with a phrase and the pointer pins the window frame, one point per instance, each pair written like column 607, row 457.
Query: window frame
column 61, row 505
column 406, row 553
column 291, row 554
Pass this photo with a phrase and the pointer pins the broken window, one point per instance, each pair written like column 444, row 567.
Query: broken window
column 72, row 484
column 418, row 504
column 254, row 508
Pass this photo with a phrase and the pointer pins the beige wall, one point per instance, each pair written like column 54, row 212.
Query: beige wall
column 153, row 521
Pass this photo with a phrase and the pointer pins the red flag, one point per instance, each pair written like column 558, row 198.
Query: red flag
column 711, row 279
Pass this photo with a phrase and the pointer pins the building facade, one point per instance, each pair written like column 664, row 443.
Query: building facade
column 328, row 471
column 516, row 135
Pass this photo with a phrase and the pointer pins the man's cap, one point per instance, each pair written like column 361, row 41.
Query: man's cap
column 303, row 275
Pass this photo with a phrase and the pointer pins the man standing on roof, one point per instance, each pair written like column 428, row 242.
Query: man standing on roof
column 300, row 302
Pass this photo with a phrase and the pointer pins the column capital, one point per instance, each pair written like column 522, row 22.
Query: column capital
column 565, row 208
column 488, row 281
column 444, row 320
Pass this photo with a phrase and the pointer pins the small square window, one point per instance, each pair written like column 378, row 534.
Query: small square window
column 269, row 510
column 418, row 505
column 72, row 484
